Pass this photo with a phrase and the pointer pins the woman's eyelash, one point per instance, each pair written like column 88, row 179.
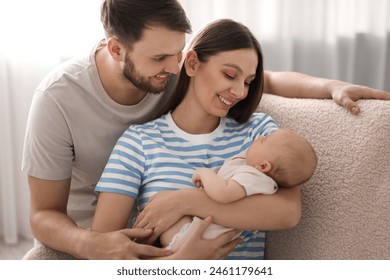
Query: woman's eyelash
column 229, row 76
column 159, row 58
column 247, row 84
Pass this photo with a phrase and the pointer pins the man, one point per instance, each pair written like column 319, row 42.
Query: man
column 80, row 110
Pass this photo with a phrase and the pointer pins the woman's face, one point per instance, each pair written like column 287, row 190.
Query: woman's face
column 223, row 80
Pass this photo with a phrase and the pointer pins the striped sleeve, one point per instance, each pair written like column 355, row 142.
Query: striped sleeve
column 262, row 124
column 125, row 167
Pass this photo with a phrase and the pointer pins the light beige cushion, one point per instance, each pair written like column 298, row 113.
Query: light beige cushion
column 41, row 252
column 346, row 204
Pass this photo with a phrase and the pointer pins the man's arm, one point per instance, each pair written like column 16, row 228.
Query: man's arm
column 218, row 189
column 293, row 84
column 50, row 223
column 52, row 226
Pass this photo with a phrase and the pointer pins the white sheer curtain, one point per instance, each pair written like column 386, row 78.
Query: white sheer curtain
column 35, row 37
column 342, row 39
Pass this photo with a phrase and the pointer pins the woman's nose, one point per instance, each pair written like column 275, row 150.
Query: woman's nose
column 238, row 90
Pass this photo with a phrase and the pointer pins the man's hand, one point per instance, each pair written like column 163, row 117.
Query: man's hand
column 346, row 95
column 121, row 245
column 298, row 85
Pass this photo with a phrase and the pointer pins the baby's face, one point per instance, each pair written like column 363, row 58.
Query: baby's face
column 261, row 149
column 266, row 148
column 283, row 150
column 256, row 149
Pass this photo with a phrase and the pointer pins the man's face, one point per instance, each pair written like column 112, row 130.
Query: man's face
column 152, row 59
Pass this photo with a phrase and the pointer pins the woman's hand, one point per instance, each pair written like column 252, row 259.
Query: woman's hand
column 162, row 211
column 346, row 95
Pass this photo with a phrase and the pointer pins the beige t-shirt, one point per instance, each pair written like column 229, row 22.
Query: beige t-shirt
column 73, row 126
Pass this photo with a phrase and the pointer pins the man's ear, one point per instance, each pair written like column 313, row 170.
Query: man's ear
column 191, row 63
column 264, row 166
column 115, row 48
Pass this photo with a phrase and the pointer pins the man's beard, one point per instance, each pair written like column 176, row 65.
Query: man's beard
column 143, row 83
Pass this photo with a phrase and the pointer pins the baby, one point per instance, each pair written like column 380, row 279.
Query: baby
column 283, row 159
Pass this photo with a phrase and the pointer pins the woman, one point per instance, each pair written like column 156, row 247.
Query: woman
column 208, row 119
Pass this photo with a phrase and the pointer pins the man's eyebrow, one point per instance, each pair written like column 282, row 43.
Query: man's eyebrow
column 167, row 54
column 162, row 55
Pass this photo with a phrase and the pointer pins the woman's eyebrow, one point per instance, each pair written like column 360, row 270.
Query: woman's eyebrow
column 238, row 68
column 233, row 66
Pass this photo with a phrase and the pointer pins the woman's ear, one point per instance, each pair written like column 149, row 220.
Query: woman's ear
column 191, row 63
column 115, row 49
column 264, row 166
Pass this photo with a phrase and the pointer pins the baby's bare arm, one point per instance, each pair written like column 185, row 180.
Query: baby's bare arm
column 218, row 189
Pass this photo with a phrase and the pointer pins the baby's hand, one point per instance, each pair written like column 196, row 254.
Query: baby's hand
column 196, row 179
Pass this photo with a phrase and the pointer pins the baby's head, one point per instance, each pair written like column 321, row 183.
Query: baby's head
column 285, row 156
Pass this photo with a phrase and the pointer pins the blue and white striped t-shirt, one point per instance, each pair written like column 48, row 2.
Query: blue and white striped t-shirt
column 159, row 156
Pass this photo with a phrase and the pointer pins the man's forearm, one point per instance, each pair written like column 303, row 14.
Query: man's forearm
column 59, row 232
column 293, row 84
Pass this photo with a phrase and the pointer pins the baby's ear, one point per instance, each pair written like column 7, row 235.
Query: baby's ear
column 264, row 166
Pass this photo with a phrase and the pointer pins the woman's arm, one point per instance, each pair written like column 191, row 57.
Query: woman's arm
column 281, row 210
column 293, row 84
column 112, row 212
column 110, row 219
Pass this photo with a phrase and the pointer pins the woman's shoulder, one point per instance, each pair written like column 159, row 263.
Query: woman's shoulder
column 152, row 129
column 260, row 116
column 255, row 119
column 258, row 123
column 263, row 123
